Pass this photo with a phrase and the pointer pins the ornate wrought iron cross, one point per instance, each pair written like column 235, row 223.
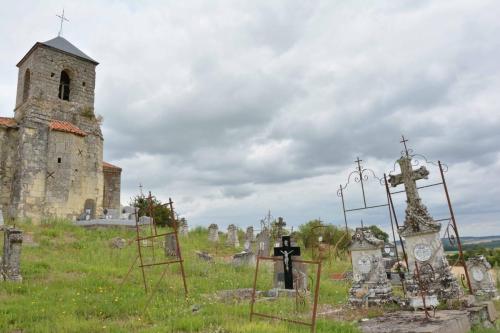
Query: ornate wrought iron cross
column 287, row 252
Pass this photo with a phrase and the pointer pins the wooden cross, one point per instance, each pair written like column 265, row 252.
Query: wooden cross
column 408, row 177
column 287, row 252
column 63, row 18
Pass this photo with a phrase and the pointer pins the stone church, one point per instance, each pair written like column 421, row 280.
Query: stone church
column 51, row 151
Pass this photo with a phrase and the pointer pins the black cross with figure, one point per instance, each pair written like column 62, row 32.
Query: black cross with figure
column 287, row 252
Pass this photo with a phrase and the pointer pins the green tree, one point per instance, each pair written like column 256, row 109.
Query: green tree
column 147, row 207
column 377, row 232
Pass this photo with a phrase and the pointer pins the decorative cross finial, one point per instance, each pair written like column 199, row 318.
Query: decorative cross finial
column 140, row 188
column 63, row 18
column 359, row 163
column 404, row 141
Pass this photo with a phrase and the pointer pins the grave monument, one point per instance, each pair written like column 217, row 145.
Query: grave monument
column 422, row 241
column 370, row 284
column 213, row 233
column 232, row 236
column 482, row 281
column 11, row 259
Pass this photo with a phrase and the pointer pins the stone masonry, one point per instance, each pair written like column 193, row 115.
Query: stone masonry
column 51, row 151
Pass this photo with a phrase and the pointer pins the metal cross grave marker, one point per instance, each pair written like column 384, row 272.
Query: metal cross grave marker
column 287, row 251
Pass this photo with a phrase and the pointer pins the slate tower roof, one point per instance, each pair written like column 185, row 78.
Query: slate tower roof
column 61, row 44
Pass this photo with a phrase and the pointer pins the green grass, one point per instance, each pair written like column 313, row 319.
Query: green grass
column 72, row 284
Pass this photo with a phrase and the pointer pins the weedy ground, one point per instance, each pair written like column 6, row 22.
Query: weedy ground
column 73, row 283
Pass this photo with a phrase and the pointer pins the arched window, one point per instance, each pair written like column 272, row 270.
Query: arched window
column 64, row 86
column 26, row 86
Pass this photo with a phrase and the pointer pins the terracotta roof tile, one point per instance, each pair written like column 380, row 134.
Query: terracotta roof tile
column 8, row 122
column 64, row 126
column 109, row 166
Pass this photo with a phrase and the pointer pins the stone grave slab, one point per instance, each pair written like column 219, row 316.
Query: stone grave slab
column 446, row 321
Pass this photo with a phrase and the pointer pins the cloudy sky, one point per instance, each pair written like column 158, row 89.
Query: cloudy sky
column 233, row 108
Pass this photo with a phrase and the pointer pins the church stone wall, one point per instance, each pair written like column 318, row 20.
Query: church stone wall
column 112, row 187
column 8, row 145
column 76, row 163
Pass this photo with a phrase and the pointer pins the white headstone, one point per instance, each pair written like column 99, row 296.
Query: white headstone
column 1, row 218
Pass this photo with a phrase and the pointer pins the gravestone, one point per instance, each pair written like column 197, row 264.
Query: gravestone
column 184, row 229
column 232, row 236
column 1, row 219
column 287, row 274
column 128, row 213
column 370, row 284
column 89, row 209
column 111, row 214
column 170, row 245
column 11, row 259
column 249, row 235
column 422, row 241
column 263, row 241
column 145, row 220
column 244, row 259
column 213, row 233
column 481, row 279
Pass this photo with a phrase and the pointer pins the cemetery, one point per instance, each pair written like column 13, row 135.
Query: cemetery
column 139, row 275
column 75, row 258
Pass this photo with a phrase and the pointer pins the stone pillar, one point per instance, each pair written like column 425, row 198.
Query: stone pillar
column 232, row 236
column 11, row 260
column 370, row 285
column 213, row 233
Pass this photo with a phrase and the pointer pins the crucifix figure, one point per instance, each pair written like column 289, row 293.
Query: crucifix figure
column 287, row 251
column 63, row 18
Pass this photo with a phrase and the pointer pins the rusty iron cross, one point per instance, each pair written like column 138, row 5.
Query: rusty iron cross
column 63, row 18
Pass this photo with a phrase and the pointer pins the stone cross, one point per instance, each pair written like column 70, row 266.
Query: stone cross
column 408, row 177
column 287, row 251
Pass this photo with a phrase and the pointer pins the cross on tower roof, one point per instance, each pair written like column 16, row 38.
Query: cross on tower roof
column 63, row 18
column 404, row 141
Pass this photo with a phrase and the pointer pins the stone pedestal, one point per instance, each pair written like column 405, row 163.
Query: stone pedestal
column 11, row 259
column 424, row 247
column 482, row 281
column 370, row 284
column 213, row 233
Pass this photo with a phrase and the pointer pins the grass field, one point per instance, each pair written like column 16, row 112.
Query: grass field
column 72, row 284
